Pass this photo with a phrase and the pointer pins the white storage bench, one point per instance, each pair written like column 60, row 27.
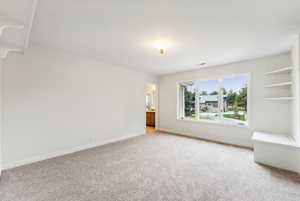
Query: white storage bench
column 276, row 150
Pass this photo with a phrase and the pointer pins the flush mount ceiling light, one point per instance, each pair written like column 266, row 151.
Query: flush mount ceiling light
column 161, row 45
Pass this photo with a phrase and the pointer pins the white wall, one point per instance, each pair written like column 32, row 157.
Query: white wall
column 1, row 128
column 295, row 89
column 296, row 92
column 263, row 115
column 56, row 102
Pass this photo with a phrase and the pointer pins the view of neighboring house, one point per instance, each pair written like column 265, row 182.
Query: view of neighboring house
column 209, row 103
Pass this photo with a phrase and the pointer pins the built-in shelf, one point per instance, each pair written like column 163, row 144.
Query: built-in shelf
column 286, row 84
column 281, row 70
column 279, row 98
column 277, row 150
column 282, row 84
column 4, row 20
column 5, row 48
column 274, row 138
column 7, row 22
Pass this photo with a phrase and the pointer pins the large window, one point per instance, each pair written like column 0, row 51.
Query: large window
column 189, row 99
column 221, row 100
column 236, row 93
column 208, row 99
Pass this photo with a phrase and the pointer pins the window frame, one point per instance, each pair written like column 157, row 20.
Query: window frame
column 221, row 121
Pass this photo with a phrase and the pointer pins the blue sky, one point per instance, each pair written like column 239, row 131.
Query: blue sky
column 209, row 86
column 235, row 84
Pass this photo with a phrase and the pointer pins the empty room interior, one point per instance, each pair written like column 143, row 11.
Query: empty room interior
column 161, row 100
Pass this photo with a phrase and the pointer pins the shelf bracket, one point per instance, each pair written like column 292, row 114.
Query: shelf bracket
column 4, row 52
column 10, row 26
column 6, row 48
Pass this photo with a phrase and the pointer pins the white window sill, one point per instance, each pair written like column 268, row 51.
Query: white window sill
column 219, row 122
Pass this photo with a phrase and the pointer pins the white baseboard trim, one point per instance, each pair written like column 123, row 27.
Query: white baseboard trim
column 204, row 138
column 64, row 152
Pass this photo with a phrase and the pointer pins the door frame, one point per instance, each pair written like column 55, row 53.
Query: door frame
column 156, row 105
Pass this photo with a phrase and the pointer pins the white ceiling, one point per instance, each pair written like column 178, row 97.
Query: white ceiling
column 122, row 31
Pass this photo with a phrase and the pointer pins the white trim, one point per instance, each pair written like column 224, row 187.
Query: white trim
column 156, row 103
column 206, row 137
column 64, row 152
column 217, row 121
column 155, row 97
column 280, row 99
column 217, row 77
column 281, row 70
column 180, row 99
column 197, row 101
column 249, row 93
column 281, row 84
column 221, row 98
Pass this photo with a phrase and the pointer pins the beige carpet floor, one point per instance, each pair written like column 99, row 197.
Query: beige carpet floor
column 151, row 168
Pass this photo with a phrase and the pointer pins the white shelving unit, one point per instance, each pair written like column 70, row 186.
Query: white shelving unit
column 281, row 70
column 276, row 149
column 282, row 84
column 7, row 22
column 285, row 85
column 279, row 98
column 281, row 149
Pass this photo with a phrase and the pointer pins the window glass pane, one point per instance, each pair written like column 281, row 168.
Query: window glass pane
column 189, row 100
column 209, row 99
column 235, row 98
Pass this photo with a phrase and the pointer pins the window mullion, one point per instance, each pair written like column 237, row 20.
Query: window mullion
column 197, row 106
column 183, row 103
column 221, row 98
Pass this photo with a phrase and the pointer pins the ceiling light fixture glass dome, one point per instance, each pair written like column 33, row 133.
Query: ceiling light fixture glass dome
column 162, row 45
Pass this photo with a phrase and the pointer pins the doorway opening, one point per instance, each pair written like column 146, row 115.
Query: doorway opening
column 150, row 108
